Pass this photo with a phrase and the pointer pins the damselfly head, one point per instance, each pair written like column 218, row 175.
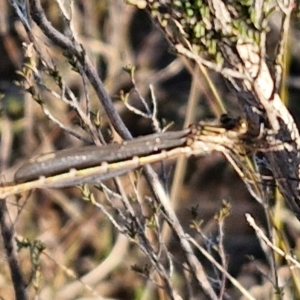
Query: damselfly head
column 233, row 123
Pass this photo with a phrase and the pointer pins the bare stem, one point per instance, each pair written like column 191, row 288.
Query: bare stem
column 7, row 232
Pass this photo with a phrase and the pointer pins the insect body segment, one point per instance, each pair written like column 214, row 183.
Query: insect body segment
column 89, row 156
column 92, row 164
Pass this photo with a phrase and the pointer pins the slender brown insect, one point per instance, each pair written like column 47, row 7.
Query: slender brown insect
column 93, row 164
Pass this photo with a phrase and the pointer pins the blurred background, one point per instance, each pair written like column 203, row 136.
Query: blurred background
column 79, row 237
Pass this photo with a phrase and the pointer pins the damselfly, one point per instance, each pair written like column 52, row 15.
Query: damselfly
column 92, row 164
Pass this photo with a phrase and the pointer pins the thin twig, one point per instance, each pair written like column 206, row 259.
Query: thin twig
column 74, row 48
column 260, row 234
column 221, row 268
column 8, row 233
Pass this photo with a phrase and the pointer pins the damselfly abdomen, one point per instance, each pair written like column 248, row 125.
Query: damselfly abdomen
column 89, row 156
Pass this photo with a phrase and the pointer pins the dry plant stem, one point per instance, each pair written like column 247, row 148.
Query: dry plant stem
column 226, row 72
column 194, row 264
column 282, row 144
column 222, row 254
column 247, row 70
column 260, row 234
column 181, row 163
column 221, row 268
column 189, row 119
column 146, row 246
column 92, row 278
column 51, row 117
column 7, row 232
column 72, row 103
column 74, row 48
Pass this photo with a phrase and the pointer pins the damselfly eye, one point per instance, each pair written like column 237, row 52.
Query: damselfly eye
column 229, row 122
column 233, row 123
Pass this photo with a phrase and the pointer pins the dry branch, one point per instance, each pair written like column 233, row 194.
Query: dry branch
column 230, row 38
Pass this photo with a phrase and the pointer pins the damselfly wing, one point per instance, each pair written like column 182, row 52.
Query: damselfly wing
column 89, row 156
